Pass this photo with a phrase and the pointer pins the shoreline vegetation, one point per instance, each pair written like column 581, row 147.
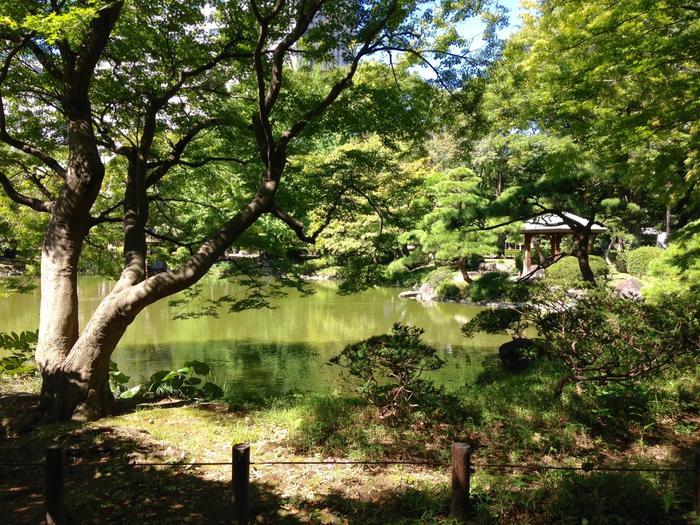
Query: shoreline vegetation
column 432, row 283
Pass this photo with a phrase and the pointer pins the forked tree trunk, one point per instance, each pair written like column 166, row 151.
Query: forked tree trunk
column 78, row 374
column 82, row 389
column 70, row 213
column 61, row 249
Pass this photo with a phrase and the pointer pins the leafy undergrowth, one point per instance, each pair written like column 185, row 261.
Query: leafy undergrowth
column 507, row 418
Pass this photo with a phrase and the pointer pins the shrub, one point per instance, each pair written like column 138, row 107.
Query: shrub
column 185, row 382
column 390, row 366
column 473, row 261
column 637, row 261
column 566, row 272
column 601, row 337
column 438, row 276
column 449, row 291
column 491, row 286
column 519, row 261
column 509, row 321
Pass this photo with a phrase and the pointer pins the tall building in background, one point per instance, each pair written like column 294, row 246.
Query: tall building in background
column 337, row 56
column 296, row 60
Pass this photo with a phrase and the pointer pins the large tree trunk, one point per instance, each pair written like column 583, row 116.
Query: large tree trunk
column 58, row 315
column 70, row 214
column 581, row 250
column 82, row 390
column 63, row 242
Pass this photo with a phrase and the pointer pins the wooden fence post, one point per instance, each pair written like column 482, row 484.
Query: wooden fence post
column 461, row 472
column 696, row 492
column 240, row 473
column 54, row 494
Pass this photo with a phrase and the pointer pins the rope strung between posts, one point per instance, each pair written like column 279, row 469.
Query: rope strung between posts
column 586, row 468
column 427, row 463
column 424, row 463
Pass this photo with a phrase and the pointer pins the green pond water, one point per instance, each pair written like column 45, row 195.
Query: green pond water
column 269, row 352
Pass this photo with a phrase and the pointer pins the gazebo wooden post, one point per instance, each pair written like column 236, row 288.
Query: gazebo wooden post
column 527, row 259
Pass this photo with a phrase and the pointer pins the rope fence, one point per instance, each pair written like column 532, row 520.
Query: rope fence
column 462, row 467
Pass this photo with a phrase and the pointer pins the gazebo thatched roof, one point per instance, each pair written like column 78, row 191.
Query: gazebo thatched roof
column 551, row 223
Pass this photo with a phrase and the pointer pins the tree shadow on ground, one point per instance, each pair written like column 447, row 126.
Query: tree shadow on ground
column 404, row 505
column 186, row 494
column 98, row 492
column 105, row 494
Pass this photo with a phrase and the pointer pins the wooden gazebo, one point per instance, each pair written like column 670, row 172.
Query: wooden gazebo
column 552, row 226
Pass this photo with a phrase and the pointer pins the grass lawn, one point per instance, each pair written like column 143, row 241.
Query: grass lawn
column 508, row 418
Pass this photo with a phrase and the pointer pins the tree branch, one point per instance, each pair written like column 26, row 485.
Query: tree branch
column 161, row 168
column 298, row 227
column 105, row 217
column 26, row 147
column 367, row 48
column 202, row 162
column 303, row 21
column 185, row 75
column 31, row 202
column 4, row 135
column 189, row 245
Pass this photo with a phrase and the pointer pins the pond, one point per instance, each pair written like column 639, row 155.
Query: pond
column 269, row 352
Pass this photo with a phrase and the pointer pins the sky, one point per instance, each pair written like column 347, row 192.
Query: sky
column 473, row 27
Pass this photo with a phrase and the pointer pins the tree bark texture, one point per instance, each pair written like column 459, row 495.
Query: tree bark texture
column 582, row 241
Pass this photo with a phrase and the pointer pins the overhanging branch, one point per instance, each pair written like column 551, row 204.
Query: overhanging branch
column 370, row 45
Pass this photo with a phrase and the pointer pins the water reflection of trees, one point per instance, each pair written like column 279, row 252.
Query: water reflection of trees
column 249, row 370
column 272, row 350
